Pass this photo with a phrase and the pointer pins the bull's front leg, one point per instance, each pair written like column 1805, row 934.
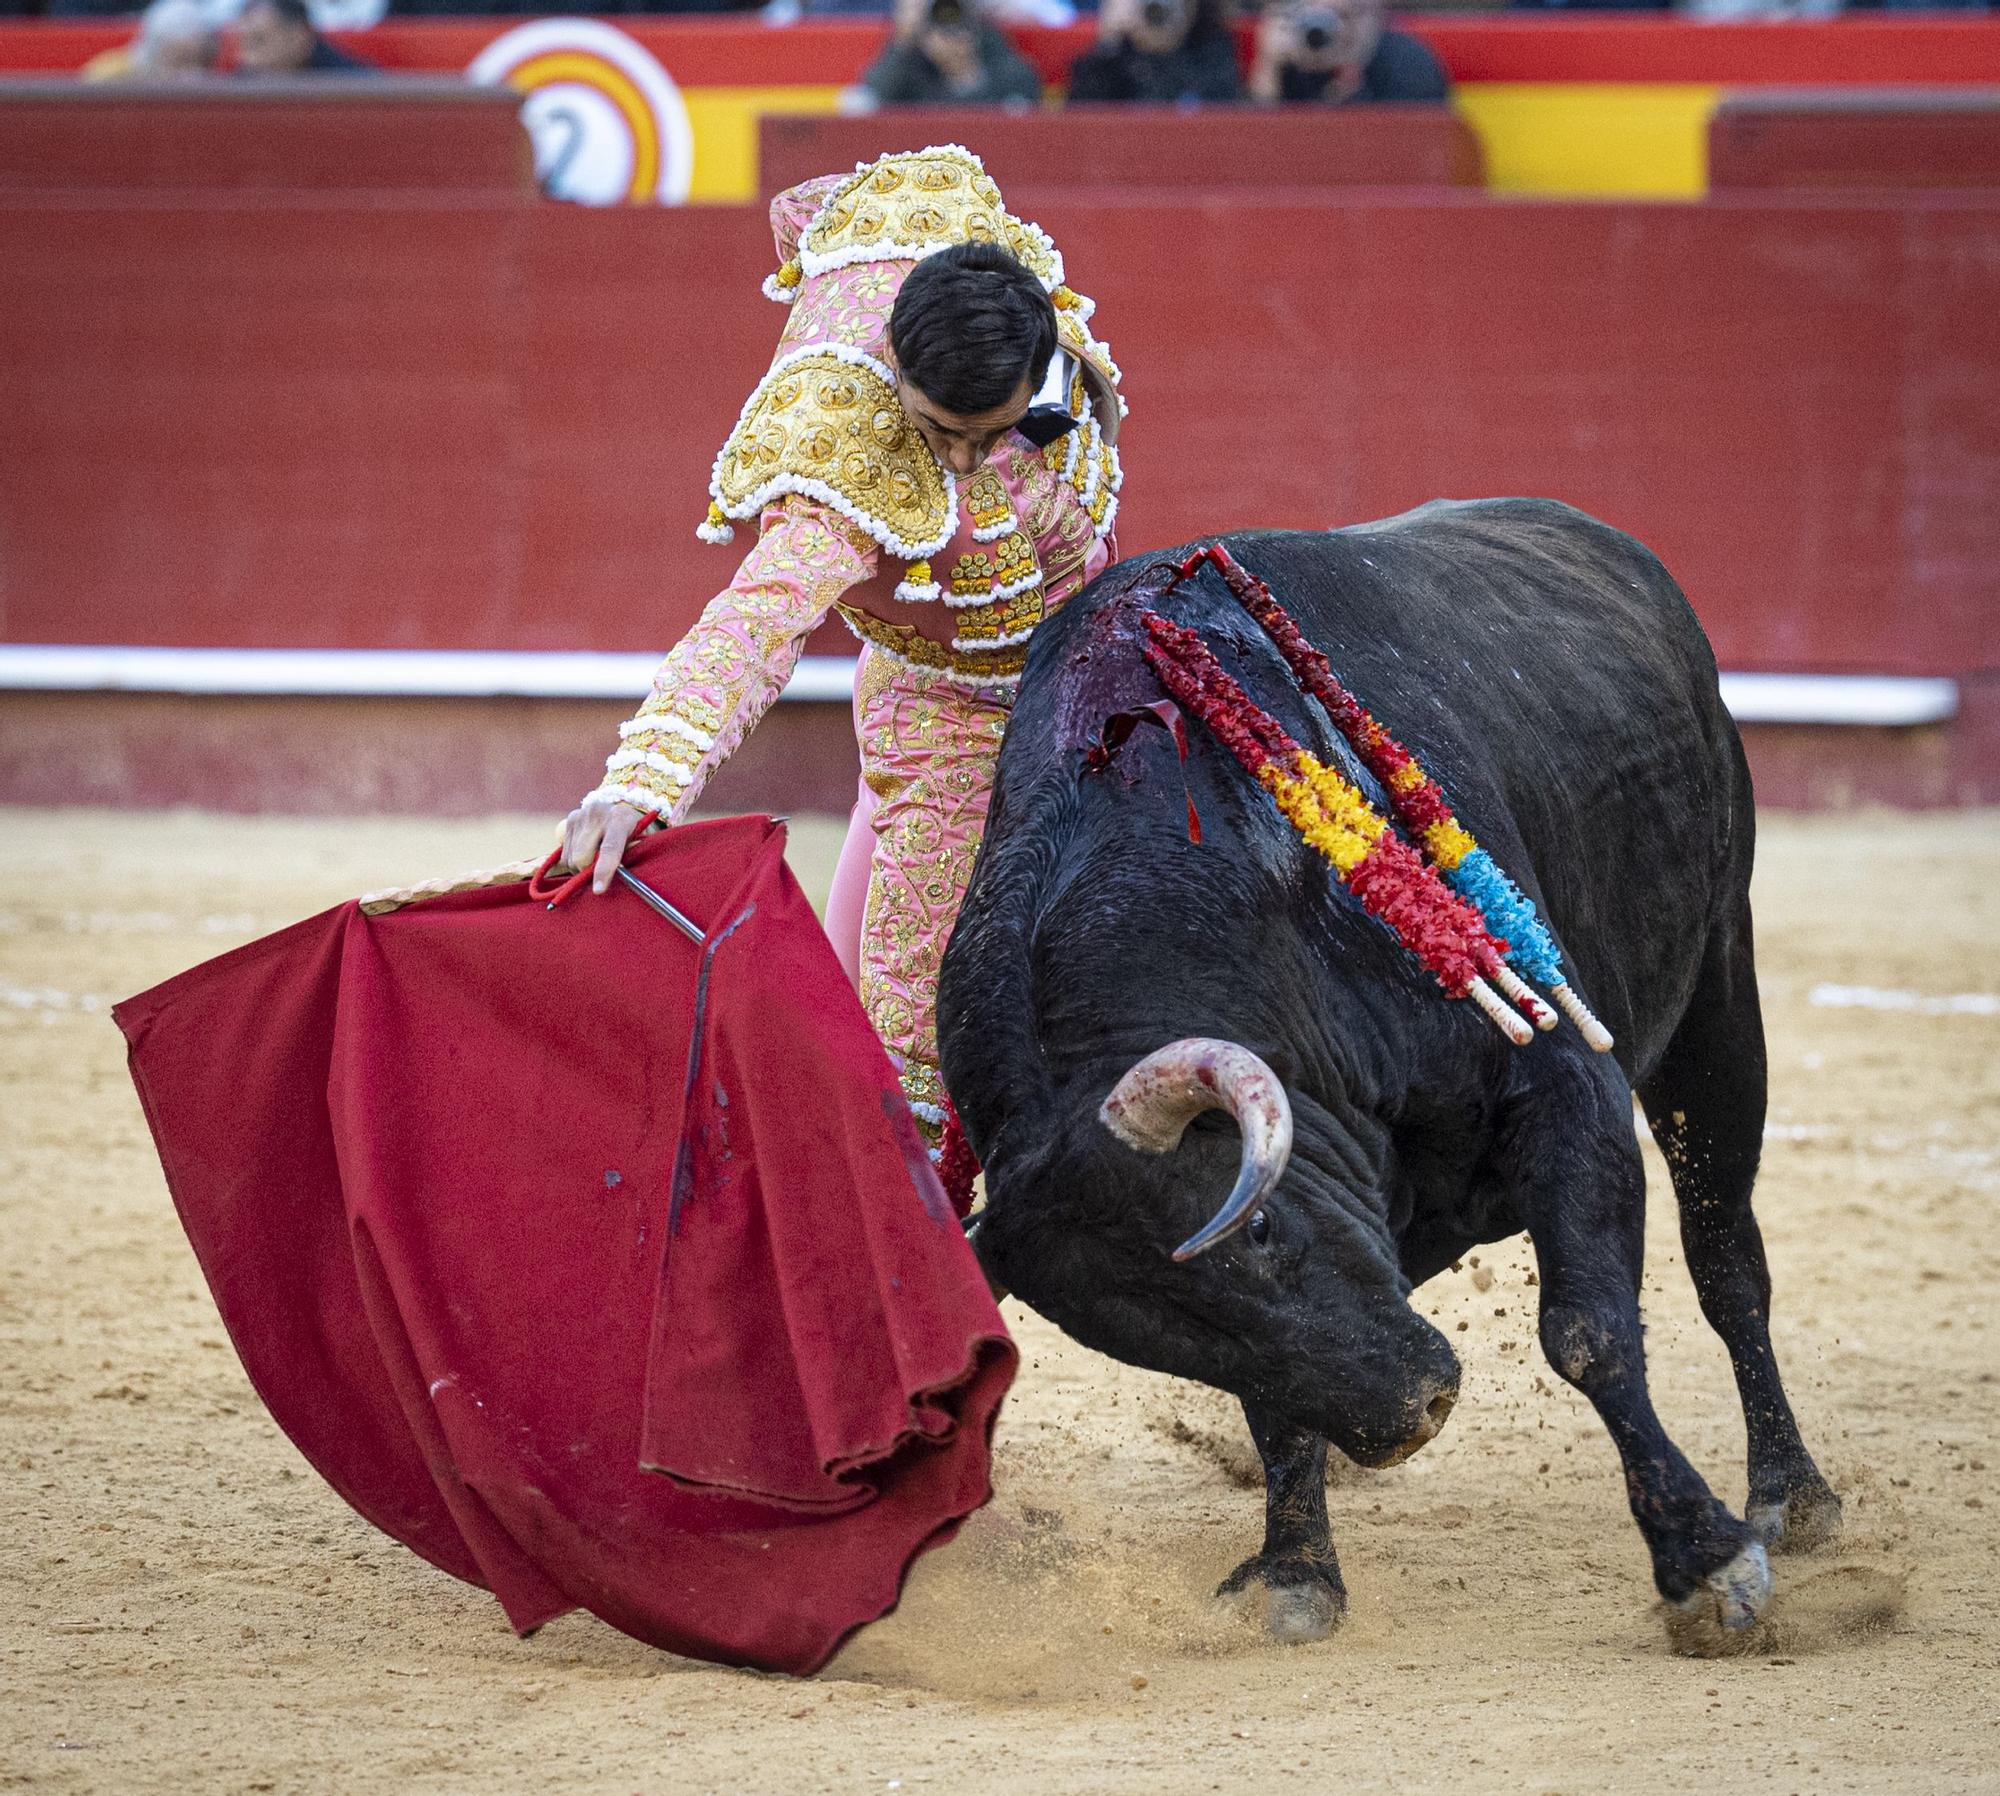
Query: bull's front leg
column 1580, row 1186
column 1297, row 1571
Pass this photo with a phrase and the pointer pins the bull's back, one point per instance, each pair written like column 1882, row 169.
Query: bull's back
column 1551, row 676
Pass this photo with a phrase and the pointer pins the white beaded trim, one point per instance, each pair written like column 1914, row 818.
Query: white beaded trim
column 677, row 771
column 776, row 289
column 1094, row 470
column 664, row 724
column 1072, row 444
column 1013, row 639
column 639, row 796
column 967, row 601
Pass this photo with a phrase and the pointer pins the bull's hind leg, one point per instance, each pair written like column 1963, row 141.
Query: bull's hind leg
column 1706, row 1106
column 1304, row 1597
column 1579, row 1185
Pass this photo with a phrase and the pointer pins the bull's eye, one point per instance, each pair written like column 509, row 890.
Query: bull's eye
column 1259, row 1229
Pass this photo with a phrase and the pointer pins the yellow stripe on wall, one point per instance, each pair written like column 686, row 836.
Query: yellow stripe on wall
column 1630, row 139
column 1612, row 138
column 724, row 122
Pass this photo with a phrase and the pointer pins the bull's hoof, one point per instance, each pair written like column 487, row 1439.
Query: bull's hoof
column 1806, row 1518
column 1302, row 1599
column 1715, row 1617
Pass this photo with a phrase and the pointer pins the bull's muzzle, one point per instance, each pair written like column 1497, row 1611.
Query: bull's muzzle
column 1429, row 1411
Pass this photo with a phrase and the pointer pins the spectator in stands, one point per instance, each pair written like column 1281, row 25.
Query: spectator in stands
column 1334, row 51
column 176, row 42
column 276, row 37
column 1171, row 52
column 949, row 53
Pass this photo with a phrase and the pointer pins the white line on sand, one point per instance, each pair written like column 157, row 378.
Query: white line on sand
column 1870, row 997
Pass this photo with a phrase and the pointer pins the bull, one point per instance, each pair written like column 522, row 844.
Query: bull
column 1134, row 1021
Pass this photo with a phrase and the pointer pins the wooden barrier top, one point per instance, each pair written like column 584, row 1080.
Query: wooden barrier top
column 281, row 135
column 1846, row 138
column 1098, row 146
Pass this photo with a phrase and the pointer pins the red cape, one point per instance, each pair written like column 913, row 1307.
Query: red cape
column 600, row 1268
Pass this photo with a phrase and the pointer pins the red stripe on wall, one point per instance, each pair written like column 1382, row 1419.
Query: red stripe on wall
column 731, row 52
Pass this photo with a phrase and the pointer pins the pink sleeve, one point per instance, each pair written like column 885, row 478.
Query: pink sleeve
column 723, row 675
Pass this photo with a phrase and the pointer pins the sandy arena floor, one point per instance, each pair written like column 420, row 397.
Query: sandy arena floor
column 188, row 1608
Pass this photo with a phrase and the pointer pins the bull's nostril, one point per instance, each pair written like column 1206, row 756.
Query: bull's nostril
column 1439, row 1408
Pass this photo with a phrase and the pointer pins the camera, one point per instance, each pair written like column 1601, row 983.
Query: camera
column 1318, row 31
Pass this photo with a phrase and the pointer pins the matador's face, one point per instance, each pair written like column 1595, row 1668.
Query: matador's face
column 962, row 441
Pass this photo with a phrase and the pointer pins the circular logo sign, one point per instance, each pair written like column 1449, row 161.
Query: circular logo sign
column 607, row 122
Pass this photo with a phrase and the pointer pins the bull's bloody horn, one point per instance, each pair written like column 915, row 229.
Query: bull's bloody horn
column 1151, row 1106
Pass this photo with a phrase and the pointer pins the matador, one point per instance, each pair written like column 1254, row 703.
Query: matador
column 932, row 456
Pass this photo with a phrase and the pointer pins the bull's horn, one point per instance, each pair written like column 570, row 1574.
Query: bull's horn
column 1151, row 1107
column 1000, row 1292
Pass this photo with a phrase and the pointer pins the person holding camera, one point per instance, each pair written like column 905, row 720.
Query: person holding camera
column 1163, row 52
column 1334, row 51
column 948, row 53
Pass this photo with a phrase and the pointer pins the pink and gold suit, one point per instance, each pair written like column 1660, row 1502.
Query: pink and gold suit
column 943, row 580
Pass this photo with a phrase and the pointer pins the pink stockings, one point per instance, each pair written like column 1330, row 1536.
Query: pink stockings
column 927, row 751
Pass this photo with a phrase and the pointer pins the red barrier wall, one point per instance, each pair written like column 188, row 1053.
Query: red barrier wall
column 402, row 424
column 451, row 140
column 1875, row 140
column 1095, row 146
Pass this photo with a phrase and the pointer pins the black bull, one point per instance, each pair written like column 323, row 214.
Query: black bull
column 1549, row 674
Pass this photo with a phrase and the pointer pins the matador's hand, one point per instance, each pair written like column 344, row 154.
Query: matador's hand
column 602, row 827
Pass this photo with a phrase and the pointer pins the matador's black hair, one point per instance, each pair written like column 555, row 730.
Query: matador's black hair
column 970, row 324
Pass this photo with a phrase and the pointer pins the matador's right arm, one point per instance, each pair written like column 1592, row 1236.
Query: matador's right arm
column 724, row 674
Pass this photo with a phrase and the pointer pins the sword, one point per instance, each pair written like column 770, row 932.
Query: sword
column 677, row 918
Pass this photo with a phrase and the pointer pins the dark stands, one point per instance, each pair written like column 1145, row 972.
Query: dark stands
column 177, row 40
column 1159, row 52
column 948, row 52
column 1336, row 52
column 276, row 37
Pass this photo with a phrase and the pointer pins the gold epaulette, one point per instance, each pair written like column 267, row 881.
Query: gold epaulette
column 905, row 207
column 825, row 423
